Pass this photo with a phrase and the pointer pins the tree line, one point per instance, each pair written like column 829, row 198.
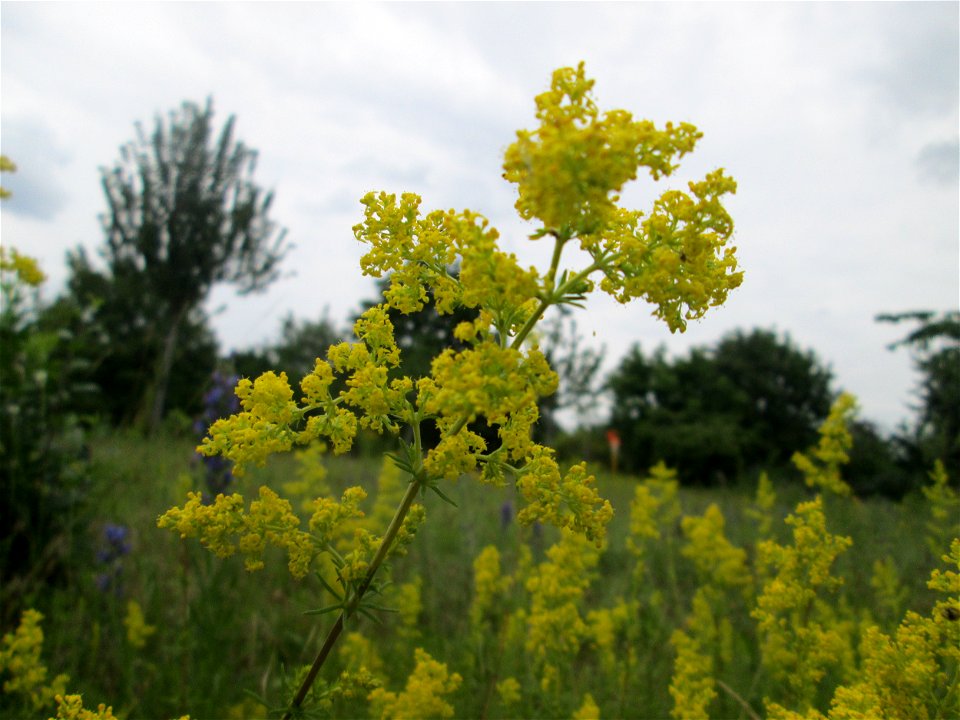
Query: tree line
column 745, row 404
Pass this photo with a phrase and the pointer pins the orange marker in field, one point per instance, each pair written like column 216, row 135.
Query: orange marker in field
column 613, row 438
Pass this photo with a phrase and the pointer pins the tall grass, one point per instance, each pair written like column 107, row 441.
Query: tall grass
column 222, row 631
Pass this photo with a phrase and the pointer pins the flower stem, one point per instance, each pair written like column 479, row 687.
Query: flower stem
column 337, row 628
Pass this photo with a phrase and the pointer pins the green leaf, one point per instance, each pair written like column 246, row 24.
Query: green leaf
column 323, row 610
column 442, row 496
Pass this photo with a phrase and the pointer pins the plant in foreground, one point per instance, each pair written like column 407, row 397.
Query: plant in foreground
column 569, row 172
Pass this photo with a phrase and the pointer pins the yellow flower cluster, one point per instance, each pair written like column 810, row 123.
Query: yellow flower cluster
column 424, row 694
column 890, row 593
column 509, row 691
column 25, row 268
column 272, row 421
column 589, row 709
column 20, row 660
column 262, row 429
column 571, row 168
column 692, row 686
column 227, row 526
column 489, row 588
column 352, row 684
column 310, row 481
column 800, row 634
column 137, row 628
column 708, row 636
column 655, row 506
column 821, row 465
column 569, row 501
column 608, row 626
column 71, row 708
column 909, row 675
column 762, row 508
column 407, row 597
column 6, row 165
column 944, row 502
column 718, row 561
column 418, row 253
column 488, row 380
column 676, row 258
column 569, row 173
column 554, row 626
column 359, row 653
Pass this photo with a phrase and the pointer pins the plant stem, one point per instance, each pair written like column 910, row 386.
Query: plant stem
column 337, row 628
column 547, row 299
column 743, row 703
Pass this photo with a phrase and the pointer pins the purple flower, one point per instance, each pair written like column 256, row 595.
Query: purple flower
column 506, row 514
column 115, row 546
column 219, row 401
column 116, row 536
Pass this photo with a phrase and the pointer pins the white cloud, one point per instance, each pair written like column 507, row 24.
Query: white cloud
column 833, row 117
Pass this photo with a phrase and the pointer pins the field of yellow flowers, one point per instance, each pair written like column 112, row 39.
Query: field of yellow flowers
column 784, row 603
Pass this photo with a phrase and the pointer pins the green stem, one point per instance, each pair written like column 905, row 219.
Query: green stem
column 337, row 628
column 557, row 293
column 548, row 297
column 740, row 701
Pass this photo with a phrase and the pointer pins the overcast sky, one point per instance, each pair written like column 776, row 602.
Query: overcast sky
column 839, row 121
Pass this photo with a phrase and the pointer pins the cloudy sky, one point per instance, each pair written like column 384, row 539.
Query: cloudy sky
column 839, row 121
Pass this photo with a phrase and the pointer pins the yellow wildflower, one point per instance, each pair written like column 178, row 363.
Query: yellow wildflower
column 655, row 506
column 424, row 694
column 570, row 169
column 26, row 270
column 692, row 685
column 137, row 628
column 718, row 562
column 762, row 508
column 71, row 708
column 6, row 165
column 608, row 626
column 490, row 586
column 226, row 526
column 821, row 465
column 407, row 599
column 912, row 674
column 890, row 592
column 358, row 652
column 800, row 634
column 555, row 628
column 569, row 501
column 588, row 710
column 509, row 691
column 944, row 502
column 310, row 482
column 20, row 660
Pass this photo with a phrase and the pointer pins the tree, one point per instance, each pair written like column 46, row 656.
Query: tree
column 115, row 333
column 781, row 393
column 935, row 345
column 751, row 401
column 183, row 215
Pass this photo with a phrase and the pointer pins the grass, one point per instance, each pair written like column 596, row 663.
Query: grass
column 222, row 631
